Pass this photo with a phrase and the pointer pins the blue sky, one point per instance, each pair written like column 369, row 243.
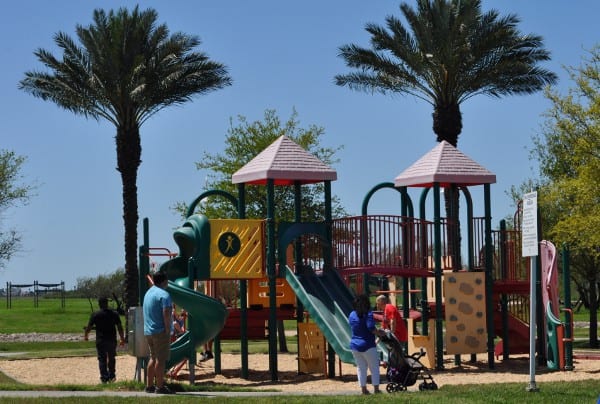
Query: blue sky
column 281, row 55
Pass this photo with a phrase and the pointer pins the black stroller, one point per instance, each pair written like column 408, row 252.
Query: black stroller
column 404, row 371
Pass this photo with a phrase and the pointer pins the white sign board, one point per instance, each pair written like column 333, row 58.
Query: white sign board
column 529, row 228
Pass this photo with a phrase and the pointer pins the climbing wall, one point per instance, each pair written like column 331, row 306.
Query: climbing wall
column 465, row 312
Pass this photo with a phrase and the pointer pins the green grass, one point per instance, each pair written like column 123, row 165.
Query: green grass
column 581, row 315
column 504, row 393
column 48, row 317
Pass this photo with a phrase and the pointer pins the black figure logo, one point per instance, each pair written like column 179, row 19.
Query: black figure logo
column 229, row 244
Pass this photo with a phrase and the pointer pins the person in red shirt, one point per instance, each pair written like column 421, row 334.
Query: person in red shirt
column 392, row 320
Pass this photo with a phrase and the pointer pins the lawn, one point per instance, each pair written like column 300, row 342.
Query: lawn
column 501, row 393
column 48, row 317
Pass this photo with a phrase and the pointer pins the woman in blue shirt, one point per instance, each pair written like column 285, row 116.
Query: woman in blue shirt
column 362, row 343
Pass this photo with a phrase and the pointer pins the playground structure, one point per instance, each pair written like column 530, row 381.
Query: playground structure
column 324, row 264
column 38, row 289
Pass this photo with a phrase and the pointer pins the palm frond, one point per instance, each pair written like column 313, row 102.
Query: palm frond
column 126, row 68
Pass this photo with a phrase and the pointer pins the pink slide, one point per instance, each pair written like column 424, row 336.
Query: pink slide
column 518, row 329
column 549, row 278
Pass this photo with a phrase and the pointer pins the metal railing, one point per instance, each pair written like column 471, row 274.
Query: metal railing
column 387, row 243
column 508, row 264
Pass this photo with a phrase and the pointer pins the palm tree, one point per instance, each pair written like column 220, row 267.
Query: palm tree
column 126, row 69
column 449, row 52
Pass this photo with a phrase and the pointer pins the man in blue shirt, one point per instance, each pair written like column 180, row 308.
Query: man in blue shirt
column 157, row 309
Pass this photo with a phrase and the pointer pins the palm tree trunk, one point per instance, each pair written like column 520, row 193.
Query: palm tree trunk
column 447, row 125
column 129, row 152
column 454, row 239
column 447, row 122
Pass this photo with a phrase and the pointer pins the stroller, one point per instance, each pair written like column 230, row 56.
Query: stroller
column 404, row 371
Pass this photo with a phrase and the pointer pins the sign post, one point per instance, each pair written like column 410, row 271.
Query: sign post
column 529, row 246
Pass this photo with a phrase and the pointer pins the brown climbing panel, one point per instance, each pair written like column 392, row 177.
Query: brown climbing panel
column 465, row 312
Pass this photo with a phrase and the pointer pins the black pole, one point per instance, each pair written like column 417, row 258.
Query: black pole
column 272, row 275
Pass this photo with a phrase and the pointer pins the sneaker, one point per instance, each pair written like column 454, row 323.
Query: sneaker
column 164, row 390
column 206, row 356
column 150, row 389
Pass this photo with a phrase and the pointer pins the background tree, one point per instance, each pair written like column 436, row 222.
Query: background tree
column 127, row 69
column 568, row 152
column 12, row 193
column 109, row 285
column 245, row 141
column 448, row 52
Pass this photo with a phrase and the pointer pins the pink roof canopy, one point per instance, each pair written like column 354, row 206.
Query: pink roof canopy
column 285, row 162
column 446, row 165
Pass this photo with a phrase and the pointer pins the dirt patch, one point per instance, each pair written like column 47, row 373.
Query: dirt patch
column 84, row 370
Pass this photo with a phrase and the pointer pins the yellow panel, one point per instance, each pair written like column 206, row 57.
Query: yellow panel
column 466, row 331
column 258, row 292
column 426, row 342
column 431, row 286
column 236, row 249
column 311, row 349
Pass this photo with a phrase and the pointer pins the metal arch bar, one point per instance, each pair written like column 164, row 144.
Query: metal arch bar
column 206, row 194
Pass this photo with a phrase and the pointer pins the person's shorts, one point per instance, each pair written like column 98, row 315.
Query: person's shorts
column 160, row 346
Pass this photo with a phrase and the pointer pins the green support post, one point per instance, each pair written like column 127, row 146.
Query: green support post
column 504, row 297
column 243, row 289
column 568, row 312
column 437, row 254
column 144, row 262
column 327, row 262
column 298, row 246
column 489, row 275
column 423, row 246
column 272, row 278
column 470, row 237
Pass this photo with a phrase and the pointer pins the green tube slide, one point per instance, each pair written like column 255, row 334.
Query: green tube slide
column 206, row 319
column 206, row 316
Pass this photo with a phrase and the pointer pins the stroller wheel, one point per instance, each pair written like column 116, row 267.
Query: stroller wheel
column 390, row 388
column 422, row 386
column 433, row 386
